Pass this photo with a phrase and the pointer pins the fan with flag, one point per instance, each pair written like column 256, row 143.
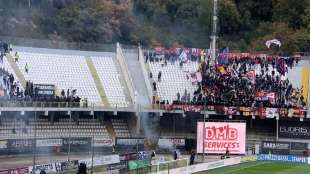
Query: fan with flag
column 222, row 59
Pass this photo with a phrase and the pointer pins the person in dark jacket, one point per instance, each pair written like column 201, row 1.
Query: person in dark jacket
column 82, row 169
column 42, row 171
column 192, row 158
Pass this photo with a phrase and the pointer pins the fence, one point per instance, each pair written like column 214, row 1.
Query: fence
column 55, row 44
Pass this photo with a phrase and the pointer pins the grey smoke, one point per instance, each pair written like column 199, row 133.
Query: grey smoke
column 149, row 122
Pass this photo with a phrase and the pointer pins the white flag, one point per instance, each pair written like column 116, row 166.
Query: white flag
column 271, row 112
column 273, row 41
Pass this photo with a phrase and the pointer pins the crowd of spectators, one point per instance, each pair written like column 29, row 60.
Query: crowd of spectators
column 240, row 81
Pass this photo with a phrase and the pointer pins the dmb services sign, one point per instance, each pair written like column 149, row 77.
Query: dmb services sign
column 216, row 137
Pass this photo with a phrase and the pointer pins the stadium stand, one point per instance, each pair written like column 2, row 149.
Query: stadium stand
column 20, row 129
column 120, row 128
column 110, row 78
column 173, row 79
column 64, row 71
column 243, row 80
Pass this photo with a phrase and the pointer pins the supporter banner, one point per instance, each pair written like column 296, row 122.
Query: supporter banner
column 103, row 160
column 283, row 112
column 168, row 143
column 297, row 112
column 15, row 171
column 285, row 158
column 3, row 144
column 265, row 96
column 49, row 143
column 299, row 130
column 217, row 137
column 129, row 141
column 44, row 90
column 272, row 112
column 103, row 142
column 48, row 168
column 143, row 155
column 123, row 165
column 247, row 111
column 282, row 148
column 186, row 108
column 128, row 156
column 67, row 165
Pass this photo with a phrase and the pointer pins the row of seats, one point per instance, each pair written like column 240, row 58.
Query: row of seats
column 120, row 128
column 18, row 129
column 64, row 71
column 110, row 79
column 173, row 79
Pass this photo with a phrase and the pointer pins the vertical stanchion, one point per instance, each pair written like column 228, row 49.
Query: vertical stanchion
column 203, row 134
column 93, row 140
column 69, row 138
column 277, row 136
column 34, row 142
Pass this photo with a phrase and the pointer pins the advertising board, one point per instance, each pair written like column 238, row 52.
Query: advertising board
column 281, row 148
column 285, row 158
column 168, row 143
column 103, row 142
column 217, row 137
column 294, row 130
column 49, row 143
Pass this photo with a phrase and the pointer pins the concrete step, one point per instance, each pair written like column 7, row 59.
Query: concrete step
column 98, row 83
column 16, row 70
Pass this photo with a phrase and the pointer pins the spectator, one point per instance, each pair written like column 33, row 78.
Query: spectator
column 154, row 86
column 82, row 169
column 26, row 68
column 159, row 76
column 192, row 158
column 178, row 96
column 16, row 57
column 175, row 155
column 42, row 171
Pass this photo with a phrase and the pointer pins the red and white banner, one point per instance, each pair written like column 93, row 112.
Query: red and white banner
column 103, row 142
column 15, row 171
column 217, row 137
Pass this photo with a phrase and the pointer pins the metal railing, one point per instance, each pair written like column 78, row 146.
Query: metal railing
column 57, row 44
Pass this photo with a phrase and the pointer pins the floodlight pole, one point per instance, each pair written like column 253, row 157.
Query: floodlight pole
column 214, row 33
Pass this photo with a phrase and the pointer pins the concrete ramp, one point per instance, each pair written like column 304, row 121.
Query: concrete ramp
column 132, row 60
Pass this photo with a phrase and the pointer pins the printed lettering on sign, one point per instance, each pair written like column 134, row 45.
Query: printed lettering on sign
column 103, row 142
column 294, row 130
column 217, row 137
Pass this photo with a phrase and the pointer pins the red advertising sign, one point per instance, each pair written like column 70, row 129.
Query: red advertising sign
column 15, row 171
column 217, row 137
